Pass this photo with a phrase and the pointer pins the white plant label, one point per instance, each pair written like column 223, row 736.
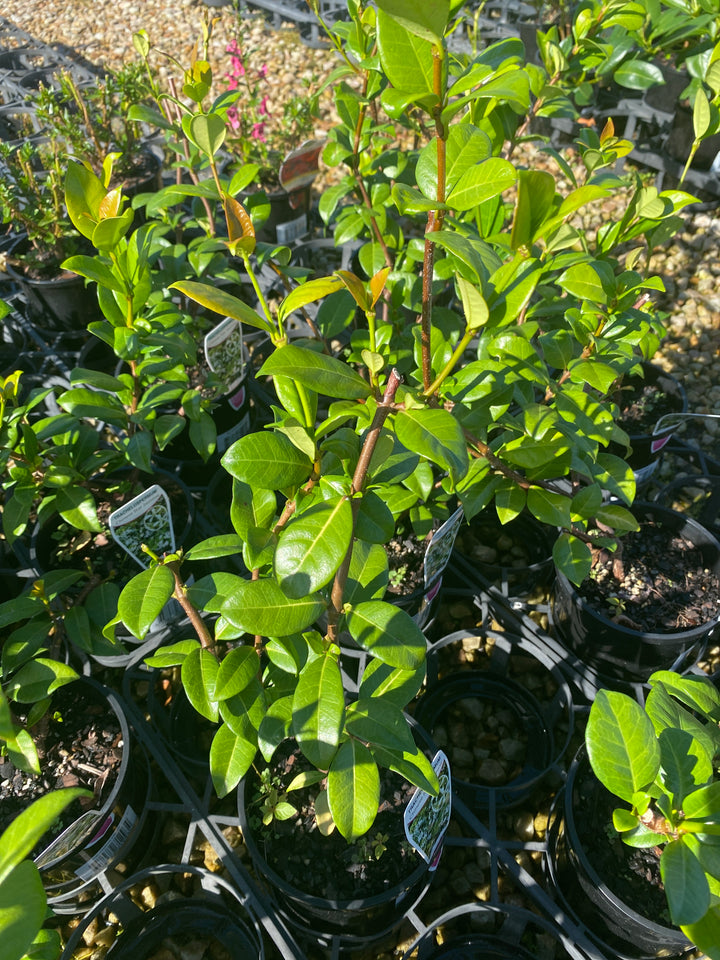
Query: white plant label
column 440, row 548
column 69, row 839
column 146, row 519
column 224, row 352
column 111, row 849
column 427, row 817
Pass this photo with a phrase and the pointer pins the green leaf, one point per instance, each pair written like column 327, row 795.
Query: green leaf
column 217, row 300
column 24, row 832
column 701, row 114
column 572, row 557
column 323, row 374
column 617, row 517
column 225, row 545
column 686, row 886
column 306, row 293
column 397, row 686
column 434, row 434
column 379, row 723
column 699, row 693
column 582, row 280
column 319, row 710
column 638, row 75
column 207, row 131
column 550, row 508
column 37, row 679
column 387, row 632
column 275, row 726
column 22, row 910
column 142, row 599
column 474, row 304
column 261, row 607
column 368, row 573
column 353, row 789
column 94, row 269
column 231, row 756
column 237, row 669
column 703, row 804
column 83, row 195
column 427, row 20
column 413, row 766
column 199, row 672
column 621, row 744
column 251, row 508
column 312, row 546
column 267, row 460
column 466, row 146
column 172, row 655
column 685, row 763
column 705, row 934
column 480, row 183
column 535, row 196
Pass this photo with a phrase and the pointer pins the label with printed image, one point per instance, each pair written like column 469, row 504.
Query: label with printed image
column 147, row 520
column 427, row 817
column 440, row 547
column 225, row 354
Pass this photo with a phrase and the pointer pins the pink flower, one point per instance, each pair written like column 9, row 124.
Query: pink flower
column 263, row 108
column 257, row 132
column 262, row 72
column 233, row 119
column 232, row 47
column 232, row 83
column 237, row 67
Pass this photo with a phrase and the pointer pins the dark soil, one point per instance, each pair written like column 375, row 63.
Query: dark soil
column 632, row 873
column 405, row 559
column 656, row 582
column 339, row 871
column 642, row 404
column 79, row 743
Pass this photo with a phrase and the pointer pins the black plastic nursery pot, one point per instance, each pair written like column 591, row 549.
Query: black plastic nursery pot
column 515, row 557
column 619, row 652
column 73, row 865
column 353, row 922
column 194, row 911
column 466, row 711
column 695, row 496
column 620, row 929
column 666, row 395
column 63, row 303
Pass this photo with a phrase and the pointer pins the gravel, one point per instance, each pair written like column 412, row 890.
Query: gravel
column 101, row 32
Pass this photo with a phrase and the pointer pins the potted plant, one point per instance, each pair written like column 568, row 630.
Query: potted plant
column 24, row 904
column 657, row 761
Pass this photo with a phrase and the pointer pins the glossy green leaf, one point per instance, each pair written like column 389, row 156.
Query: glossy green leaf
column 312, row 546
column 686, row 763
column 326, row 375
column 621, row 744
column 173, row 654
column 572, row 557
column 37, row 679
column 251, row 508
column 142, row 599
column 353, row 789
column 94, row 269
column 267, row 460
column 27, row 828
column 466, row 146
column 319, row 710
column 583, row 281
column 199, row 671
column 22, row 909
column 306, row 293
column 475, row 307
column 696, row 692
column 480, row 183
column 219, row 301
column 261, row 607
column 703, row 804
column 275, row 726
column 686, row 886
column 379, row 723
column 84, row 193
column 387, row 632
column 550, row 508
column 231, row 756
column 434, row 434
column 705, row 934
column 237, row 669
column 397, row 686
column 535, row 196
column 399, row 21
column 207, row 131
column 638, row 75
column 413, row 766
column 225, row 545
column 368, row 573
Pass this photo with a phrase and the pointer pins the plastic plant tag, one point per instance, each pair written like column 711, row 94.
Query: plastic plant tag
column 427, row 817
column 224, row 352
column 146, row 519
column 69, row 839
column 440, row 548
column 300, row 166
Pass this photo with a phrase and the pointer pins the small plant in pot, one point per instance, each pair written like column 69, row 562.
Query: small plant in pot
column 660, row 762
